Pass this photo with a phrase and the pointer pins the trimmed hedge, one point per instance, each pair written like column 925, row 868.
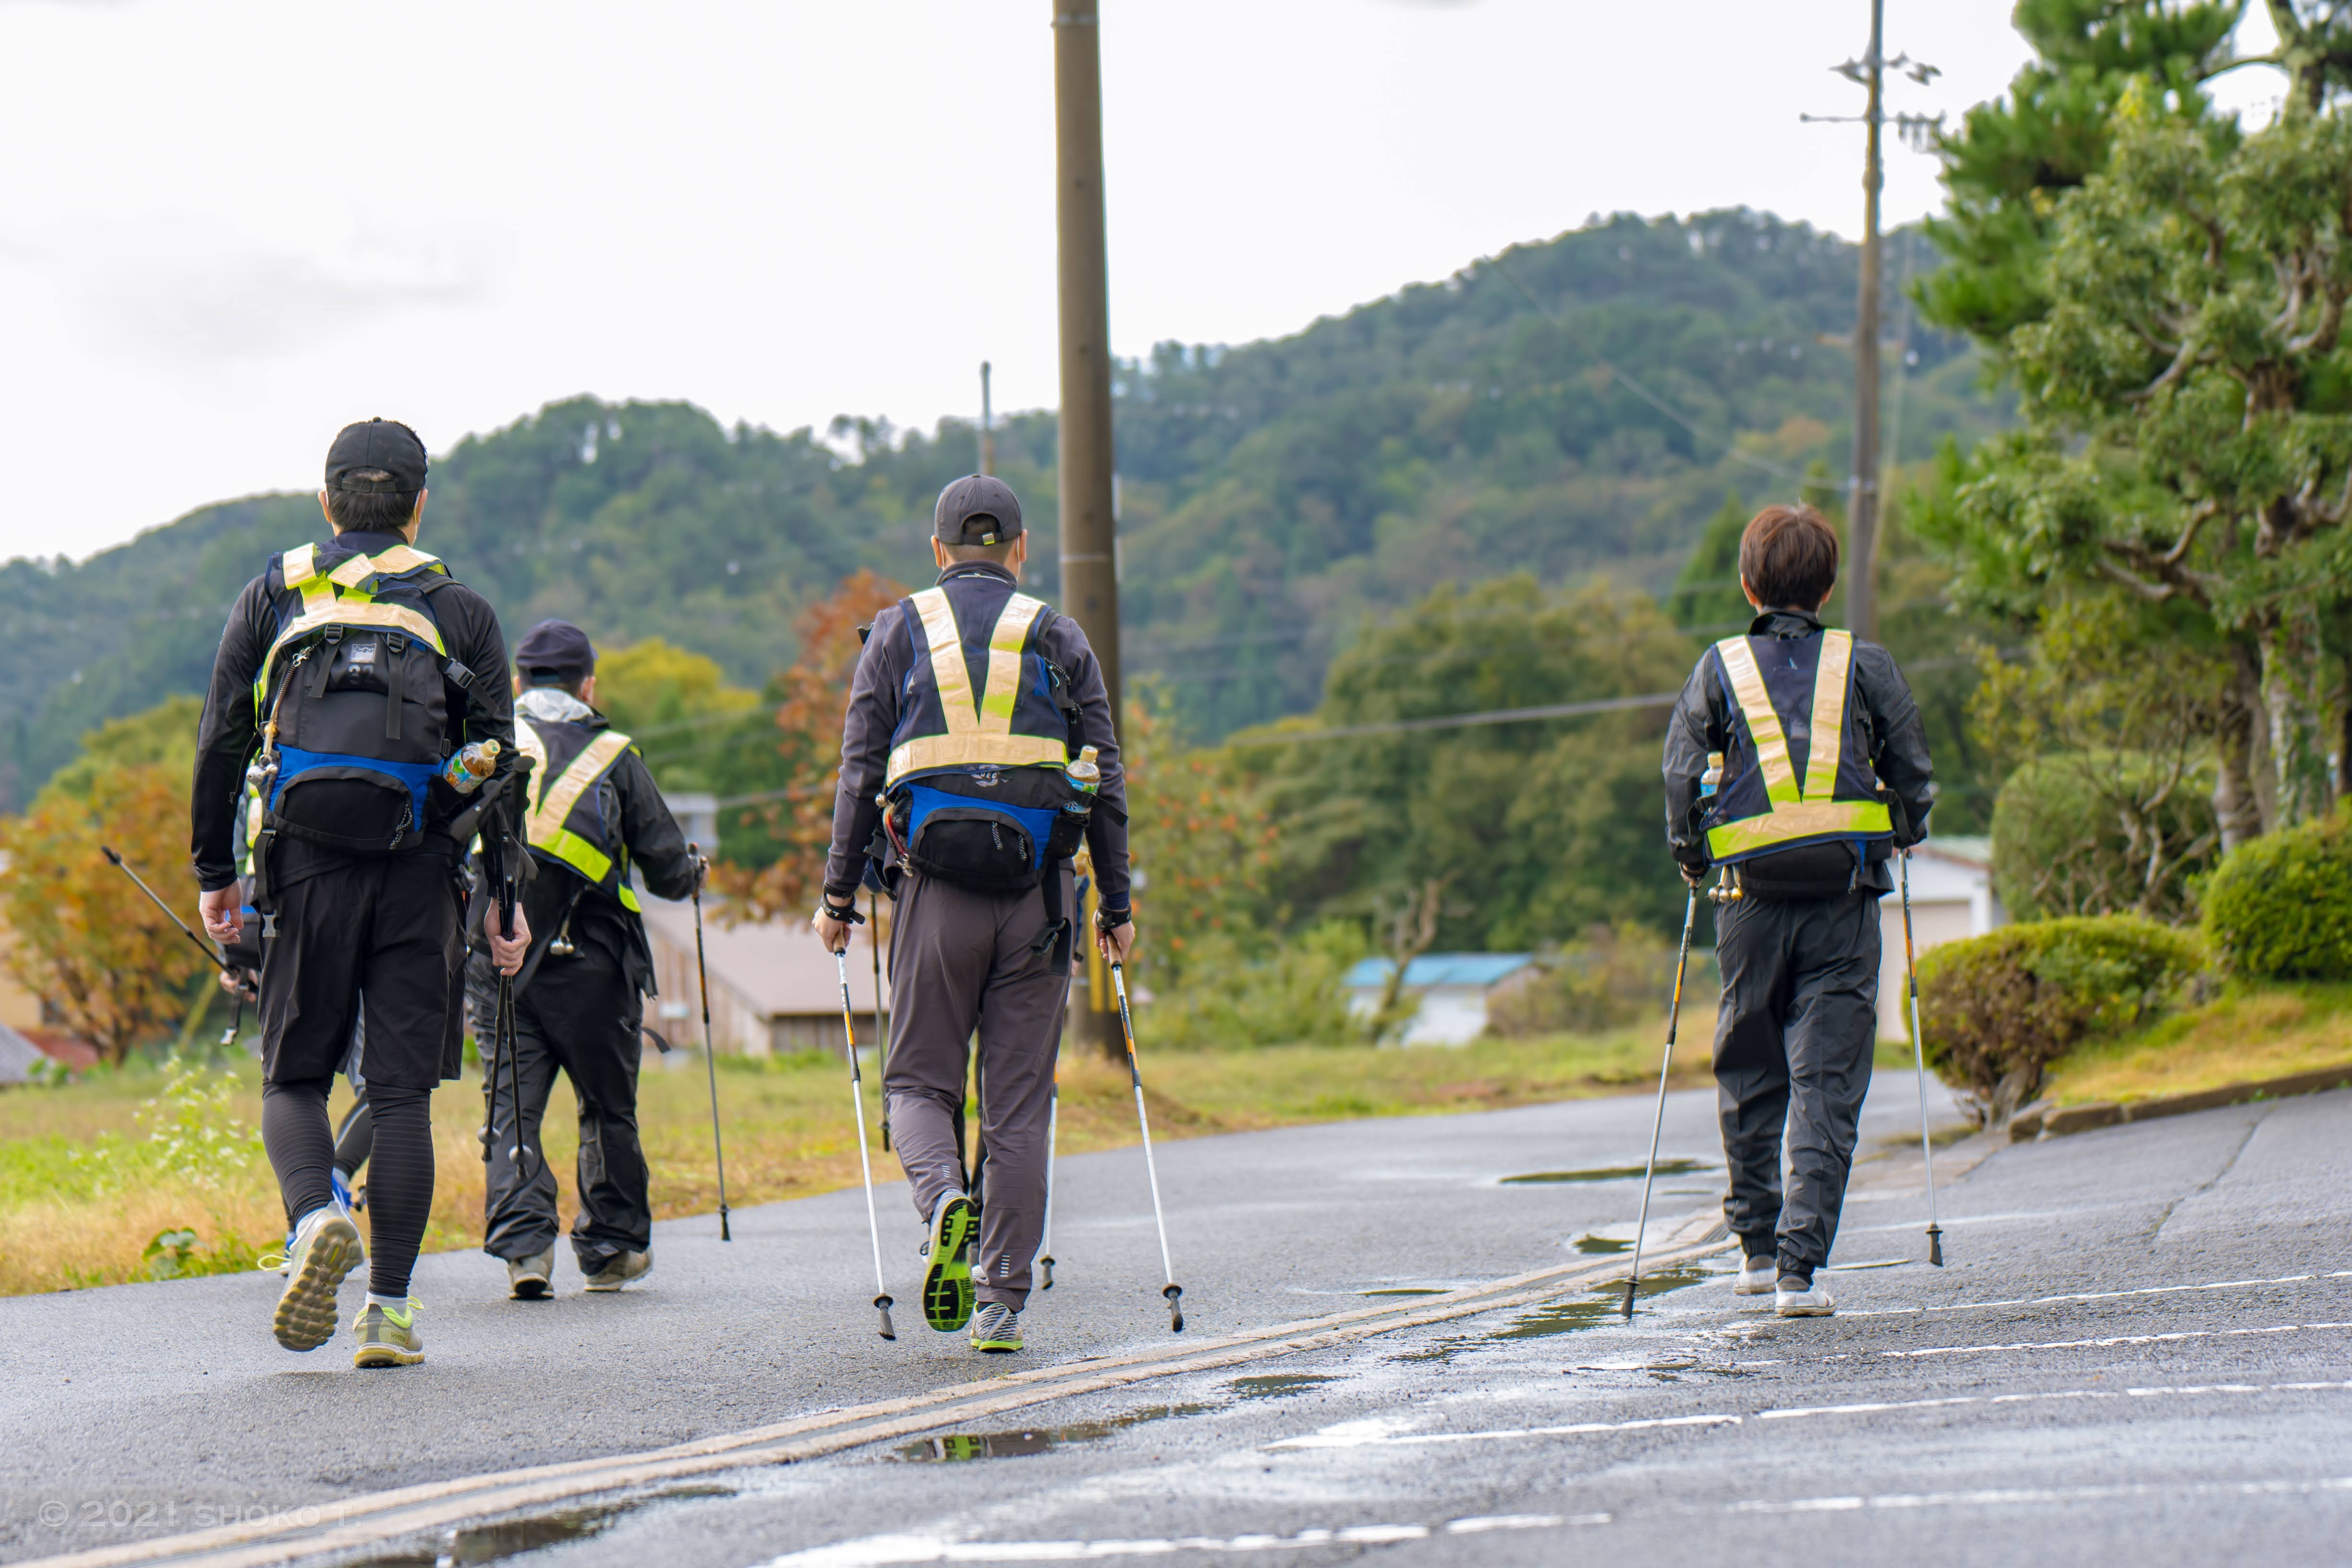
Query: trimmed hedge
column 2280, row 907
column 1997, row 1010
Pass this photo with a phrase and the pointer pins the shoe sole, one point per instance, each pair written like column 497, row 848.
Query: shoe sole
column 1805, row 1311
column 305, row 1317
column 385, row 1356
column 1738, row 1290
column 947, row 1282
column 996, row 1347
column 529, row 1288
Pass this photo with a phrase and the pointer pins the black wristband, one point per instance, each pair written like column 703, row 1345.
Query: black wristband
column 846, row 913
column 1111, row 920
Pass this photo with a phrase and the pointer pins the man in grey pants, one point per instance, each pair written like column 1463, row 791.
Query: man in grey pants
column 971, row 705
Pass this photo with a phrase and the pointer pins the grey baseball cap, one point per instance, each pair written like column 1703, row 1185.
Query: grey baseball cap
column 978, row 509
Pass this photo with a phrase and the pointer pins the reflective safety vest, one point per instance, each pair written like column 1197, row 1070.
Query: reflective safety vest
column 566, row 821
column 1807, row 690
column 1014, row 721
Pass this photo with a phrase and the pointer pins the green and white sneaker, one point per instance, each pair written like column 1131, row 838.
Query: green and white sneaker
column 995, row 1328
column 325, row 1250
column 387, row 1338
column 947, row 1279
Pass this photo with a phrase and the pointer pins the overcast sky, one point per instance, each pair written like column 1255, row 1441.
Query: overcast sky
column 228, row 226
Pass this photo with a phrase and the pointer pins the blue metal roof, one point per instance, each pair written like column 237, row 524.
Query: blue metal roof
column 1473, row 969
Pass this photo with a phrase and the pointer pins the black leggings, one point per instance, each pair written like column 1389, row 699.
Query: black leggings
column 301, row 1144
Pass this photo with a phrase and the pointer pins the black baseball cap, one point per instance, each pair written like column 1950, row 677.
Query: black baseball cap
column 557, row 651
column 382, row 444
column 978, row 509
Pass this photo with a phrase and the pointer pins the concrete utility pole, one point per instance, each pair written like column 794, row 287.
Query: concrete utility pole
column 1861, row 489
column 987, row 425
column 1089, row 581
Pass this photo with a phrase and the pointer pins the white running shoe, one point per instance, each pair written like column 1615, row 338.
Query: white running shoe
column 1756, row 1275
column 1813, row 1301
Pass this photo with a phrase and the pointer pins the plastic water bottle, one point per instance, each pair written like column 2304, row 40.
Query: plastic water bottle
column 1711, row 779
column 465, row 772
column 1083, row 773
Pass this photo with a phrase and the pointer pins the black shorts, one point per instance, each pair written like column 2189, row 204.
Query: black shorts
column 390, row 931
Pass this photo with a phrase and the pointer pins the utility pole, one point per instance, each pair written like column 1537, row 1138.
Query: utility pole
column 987, row 425
column 1862, row 485
column 1090, row 582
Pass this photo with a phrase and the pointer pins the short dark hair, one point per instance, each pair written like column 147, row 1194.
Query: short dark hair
column 565, row 680
column 1789, row 557
column 1000, row 551
column 370, row 512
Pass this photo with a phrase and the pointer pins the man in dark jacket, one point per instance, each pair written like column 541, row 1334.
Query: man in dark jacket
column 971, row 703
column 1824, row 773
column 358, row 867
column 594, row 816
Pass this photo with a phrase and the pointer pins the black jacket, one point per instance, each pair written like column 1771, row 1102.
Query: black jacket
column 603, row 931
column 873, row 716
column 1898, row 741
column 231, row 729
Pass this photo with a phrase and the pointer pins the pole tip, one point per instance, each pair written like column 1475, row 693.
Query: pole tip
column 1175, row 1297
column 1936, row 1246
column 111, row 858
column 1045, row 1274
column 1628, row 1308
column 883, row 1304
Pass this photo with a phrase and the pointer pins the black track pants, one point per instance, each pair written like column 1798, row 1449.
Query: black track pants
column 1792, row 1047
column 580, row 1016
column 961, row 964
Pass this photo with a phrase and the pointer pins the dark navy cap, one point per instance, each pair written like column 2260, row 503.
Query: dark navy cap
column 556, row 651
column 978, row 509
column 386, row 445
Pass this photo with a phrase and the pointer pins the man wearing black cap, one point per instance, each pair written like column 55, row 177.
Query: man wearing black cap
column 593, row 813
column 350, row 674
column 974, row 714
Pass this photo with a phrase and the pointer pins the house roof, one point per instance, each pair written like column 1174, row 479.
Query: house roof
column 777, row 968
column 1967, row 848
column 1471, row 969
column 18, row 1056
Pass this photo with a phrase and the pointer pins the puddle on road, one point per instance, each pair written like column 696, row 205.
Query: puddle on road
column 1277, row 1385
column 1609, row 1173
column 1602, row 1245
column 506, row 1538
column 954, row 1448
column 1601, row 1308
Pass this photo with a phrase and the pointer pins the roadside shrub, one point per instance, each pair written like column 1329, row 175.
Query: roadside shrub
column 1619, row 974
column 2280, row 907
column 2097, row 833
column 1997, row 1010
column 1289, row 996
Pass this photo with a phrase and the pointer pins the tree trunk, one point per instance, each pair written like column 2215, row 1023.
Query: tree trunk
column 2294, row 704
column 2237, row 807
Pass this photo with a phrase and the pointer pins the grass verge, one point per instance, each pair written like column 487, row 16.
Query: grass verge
column 2244, row 1034
column 91, row 1173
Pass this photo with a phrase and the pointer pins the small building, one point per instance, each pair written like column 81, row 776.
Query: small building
column 1453, row 989
column 1951, row 898
column 773, row 987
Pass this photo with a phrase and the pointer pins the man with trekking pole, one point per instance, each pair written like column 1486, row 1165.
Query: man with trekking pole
column 1823, row 775
column 976, row 757
column 592, row 814
column 359, row 688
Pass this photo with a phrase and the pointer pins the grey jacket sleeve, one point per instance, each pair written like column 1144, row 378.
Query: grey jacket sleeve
column 866, row 732
column 1898, row 740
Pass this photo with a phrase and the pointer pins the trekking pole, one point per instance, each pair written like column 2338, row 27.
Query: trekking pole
column 1658, row 1123
column 1171, row 1290
column 709, row 1051
column 881, row 1038
column 882, row 1302
column 211, row 956
column 1919, row 1054
column 508, row 885
column 1052, row 1144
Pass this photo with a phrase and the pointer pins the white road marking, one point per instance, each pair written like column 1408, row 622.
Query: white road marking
column 1995, row 1497
column 1383, row 1434
column 2102, row 1295
column 2111, row 1340
column 2177, row 1391
column 881, row 1551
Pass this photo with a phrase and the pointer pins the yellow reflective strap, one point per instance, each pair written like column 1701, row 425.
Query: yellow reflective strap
column 1785, row 824
column 1763, row 724
column 949, row 673
column 975, row 751
column 344, row 612
column 559, row 795
column 575, row 852
column 533, row 747
column 1004, row 663
column 353, row 572
column 629, row 900
column 1829, row 715
column 403, row 559
column 300, row 565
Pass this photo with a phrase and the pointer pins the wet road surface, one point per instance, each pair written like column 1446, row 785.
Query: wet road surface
column 2141, row 1351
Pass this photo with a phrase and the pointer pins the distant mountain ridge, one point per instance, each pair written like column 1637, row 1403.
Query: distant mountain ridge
column 1274, row 495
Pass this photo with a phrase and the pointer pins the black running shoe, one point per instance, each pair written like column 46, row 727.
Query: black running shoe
column 946, row 1281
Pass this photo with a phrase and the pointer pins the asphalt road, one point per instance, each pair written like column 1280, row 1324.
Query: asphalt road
column 2141, row 1350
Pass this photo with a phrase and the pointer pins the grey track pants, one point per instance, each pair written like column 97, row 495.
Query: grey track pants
column 1793, row 1046
column 961, row 963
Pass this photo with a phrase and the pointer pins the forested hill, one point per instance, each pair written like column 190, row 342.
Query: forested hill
column 1273, row 496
